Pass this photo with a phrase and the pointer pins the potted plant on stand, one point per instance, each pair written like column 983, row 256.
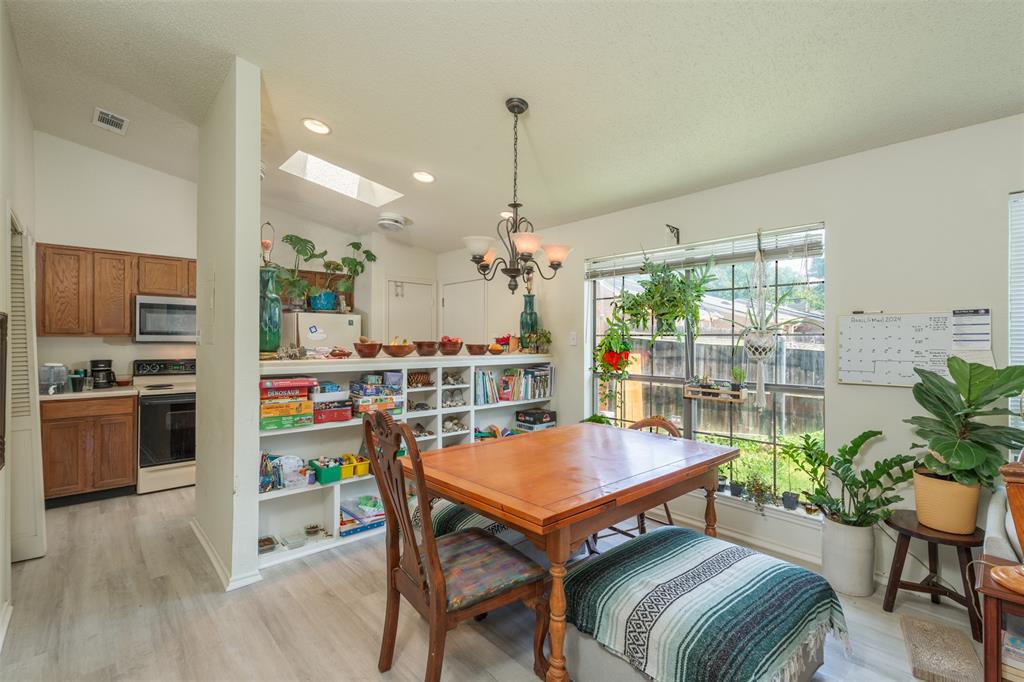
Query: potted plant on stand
column 863, row 499
column 963, row 453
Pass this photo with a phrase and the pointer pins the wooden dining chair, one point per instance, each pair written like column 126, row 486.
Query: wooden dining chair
column 653, row 424
column 450, row 578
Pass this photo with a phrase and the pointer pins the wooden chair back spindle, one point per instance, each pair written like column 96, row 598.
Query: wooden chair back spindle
column 656, row 423
column 384, row 438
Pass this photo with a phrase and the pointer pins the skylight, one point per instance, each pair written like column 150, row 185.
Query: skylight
column 342, row 181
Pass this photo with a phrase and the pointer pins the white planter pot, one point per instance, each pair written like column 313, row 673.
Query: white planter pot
column 848, row 558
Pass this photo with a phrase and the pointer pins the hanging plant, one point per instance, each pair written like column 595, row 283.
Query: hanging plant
column 666, row 297
column 611, row 355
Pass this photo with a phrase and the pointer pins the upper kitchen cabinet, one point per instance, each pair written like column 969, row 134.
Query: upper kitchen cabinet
column 161, row 276
column 64, row 290
column 192, row 278
column 113, row 286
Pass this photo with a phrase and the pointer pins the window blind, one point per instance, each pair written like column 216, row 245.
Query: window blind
column 1016, row 211
column 803, row 241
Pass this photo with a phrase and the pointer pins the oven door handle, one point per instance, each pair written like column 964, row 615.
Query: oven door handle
column 168, row 399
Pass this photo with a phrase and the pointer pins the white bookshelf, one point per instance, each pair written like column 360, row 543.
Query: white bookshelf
column 287, row 511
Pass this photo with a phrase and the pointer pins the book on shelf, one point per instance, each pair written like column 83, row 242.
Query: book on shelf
column 1011, row 673
column 513, row 384
column 1013, row 652
column 289, row 382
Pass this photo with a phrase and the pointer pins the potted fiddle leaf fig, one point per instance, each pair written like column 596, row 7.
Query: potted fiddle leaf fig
column 962, row 452
column 864, row 496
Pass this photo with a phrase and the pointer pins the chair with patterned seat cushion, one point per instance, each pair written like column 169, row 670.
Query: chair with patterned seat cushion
column 447, row 579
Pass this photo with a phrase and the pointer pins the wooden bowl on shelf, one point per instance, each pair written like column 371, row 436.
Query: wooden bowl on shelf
column 399, row 350
column 495, row 349
column 426, row 347
column 476, row 348
column 448, row 348
column 367, row 350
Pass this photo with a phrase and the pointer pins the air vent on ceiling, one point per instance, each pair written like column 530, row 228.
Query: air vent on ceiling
column 110, row 121
column 393, row 222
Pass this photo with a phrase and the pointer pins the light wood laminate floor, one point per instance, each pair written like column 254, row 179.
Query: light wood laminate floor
column 127, row 593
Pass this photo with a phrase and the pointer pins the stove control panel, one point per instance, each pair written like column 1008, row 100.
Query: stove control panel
column 148, row 368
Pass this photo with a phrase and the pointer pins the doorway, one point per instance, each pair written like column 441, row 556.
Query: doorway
column 464, row 310
column 410, row 310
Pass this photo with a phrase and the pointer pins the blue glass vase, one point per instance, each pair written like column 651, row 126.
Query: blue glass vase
column 528, row 320
column 270, row 312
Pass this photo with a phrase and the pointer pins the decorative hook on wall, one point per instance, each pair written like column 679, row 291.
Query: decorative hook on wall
column 674, row 231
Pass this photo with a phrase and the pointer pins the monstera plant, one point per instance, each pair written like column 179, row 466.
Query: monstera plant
column 962, row 453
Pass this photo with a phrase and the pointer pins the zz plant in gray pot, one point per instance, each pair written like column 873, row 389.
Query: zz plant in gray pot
column 863, row 499
column 962, row 453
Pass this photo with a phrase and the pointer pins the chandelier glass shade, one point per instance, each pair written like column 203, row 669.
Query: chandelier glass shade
column 518, row 242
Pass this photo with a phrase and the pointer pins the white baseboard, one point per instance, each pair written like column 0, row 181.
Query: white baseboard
column 6, row 611
column 744, row 538
column 227, row 581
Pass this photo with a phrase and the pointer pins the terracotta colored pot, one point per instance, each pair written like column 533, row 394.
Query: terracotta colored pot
column 367, row 350
column 476, row 348
column 946, row 505
column 426, row 347
column 399, row 350
column 449, row 348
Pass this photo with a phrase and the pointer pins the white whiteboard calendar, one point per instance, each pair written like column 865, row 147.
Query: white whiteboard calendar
column 884, row 349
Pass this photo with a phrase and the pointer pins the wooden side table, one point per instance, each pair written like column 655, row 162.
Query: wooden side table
column 904, row 522
column 999, row 602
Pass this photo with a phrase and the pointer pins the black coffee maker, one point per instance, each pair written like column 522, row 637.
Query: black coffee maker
column 102, row 374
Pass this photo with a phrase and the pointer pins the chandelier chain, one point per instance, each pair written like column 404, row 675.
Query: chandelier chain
column 515, row 158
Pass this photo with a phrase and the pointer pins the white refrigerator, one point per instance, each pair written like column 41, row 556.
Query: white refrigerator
column 320, row 329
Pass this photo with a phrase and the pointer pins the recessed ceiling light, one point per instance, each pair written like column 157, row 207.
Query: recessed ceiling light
column 315, row 126
column 341, row 180
column 423, row 176
column 505, row 214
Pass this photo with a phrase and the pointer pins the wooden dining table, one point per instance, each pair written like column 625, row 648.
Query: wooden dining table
column 560, row 485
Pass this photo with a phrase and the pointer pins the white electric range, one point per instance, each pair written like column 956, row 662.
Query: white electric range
column 167, row 423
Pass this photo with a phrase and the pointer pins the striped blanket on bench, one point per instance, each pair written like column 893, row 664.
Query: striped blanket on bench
column 678, row 605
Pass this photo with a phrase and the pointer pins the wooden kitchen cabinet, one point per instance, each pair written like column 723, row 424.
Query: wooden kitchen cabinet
column 113, row 285
column 192, row 278
column 163, row 276
column 89, row 444
column 64, row 290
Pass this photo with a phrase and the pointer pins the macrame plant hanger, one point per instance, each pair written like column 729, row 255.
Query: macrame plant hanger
column 759, row 340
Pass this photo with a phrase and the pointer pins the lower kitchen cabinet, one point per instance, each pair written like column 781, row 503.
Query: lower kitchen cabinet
column 89, row 444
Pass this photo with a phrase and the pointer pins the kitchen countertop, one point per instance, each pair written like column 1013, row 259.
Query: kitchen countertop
column 114, row 392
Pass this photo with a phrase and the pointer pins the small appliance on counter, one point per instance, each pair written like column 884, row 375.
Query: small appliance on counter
column 53, row 378
column 320, row 329
column 102, row 374
column 167, row 423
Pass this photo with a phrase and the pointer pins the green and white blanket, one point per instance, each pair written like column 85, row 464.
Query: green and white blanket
column 681, row 606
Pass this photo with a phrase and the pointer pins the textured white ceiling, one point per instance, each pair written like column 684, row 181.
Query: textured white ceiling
column 629, row 102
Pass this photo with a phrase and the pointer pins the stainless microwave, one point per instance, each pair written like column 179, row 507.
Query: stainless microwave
column 165, row 319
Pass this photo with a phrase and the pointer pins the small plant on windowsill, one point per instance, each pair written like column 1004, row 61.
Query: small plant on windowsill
column 759, row 491
column 739, row 375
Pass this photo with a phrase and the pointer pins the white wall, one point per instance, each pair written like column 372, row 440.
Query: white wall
column 227, row 429
column 916, row 226
column 394, row 261
column 17, row 192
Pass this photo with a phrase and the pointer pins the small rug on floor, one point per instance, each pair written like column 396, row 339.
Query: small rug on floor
column 939, row 653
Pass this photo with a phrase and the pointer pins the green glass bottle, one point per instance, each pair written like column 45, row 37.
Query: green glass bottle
column 270, row 312
column 527, row 319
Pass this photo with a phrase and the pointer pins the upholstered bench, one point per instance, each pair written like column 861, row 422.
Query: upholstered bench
column 675, row 605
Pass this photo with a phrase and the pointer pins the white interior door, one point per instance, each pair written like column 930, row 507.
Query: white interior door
column 24, row 446
column 464, row 310
column 410, row 314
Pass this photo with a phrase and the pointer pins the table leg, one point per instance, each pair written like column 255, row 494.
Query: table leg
column 933, row 566
column 967, row 574
column 558, row 553
column 895, row 571
column 710, row 516
column 993, row 641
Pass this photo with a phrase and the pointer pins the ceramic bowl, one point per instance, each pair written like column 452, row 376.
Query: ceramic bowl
column 426, row 347
column 367, row 350
column 450, row 348
column 476, row 348
column 399, row 350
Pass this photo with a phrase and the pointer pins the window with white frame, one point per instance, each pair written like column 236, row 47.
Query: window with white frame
column 794, row 378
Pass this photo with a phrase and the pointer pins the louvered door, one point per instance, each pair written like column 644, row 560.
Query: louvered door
column 24, row 449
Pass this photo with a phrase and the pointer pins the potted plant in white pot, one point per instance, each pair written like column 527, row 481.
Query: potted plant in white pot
column 847, row 538
column 962, row 453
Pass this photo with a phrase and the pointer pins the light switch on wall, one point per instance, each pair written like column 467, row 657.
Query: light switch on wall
column 572, row 338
